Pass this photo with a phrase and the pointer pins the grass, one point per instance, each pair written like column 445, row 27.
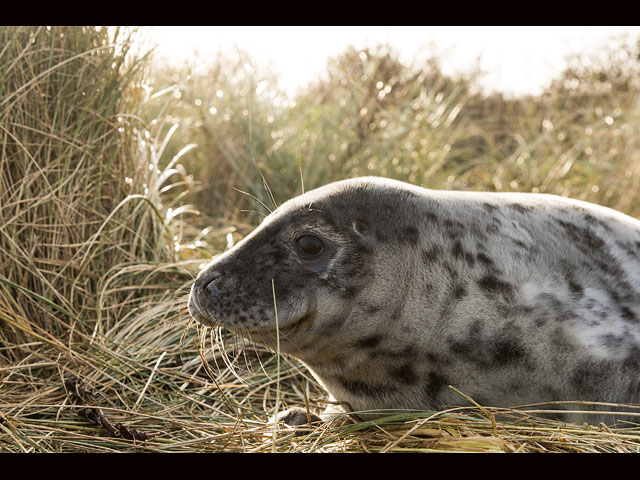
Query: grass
column 371, row 114
column 103, row 226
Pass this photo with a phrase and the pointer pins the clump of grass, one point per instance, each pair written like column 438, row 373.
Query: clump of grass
column 92, row 266
column 65, row 155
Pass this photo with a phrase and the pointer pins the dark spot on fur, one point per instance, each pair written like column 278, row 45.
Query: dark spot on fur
column 489, row 351
column 358, row 387
column 457, row 250
column 520, row 208
column 471, row 344
column 349, row 291
column 611, row 266
column 592, row 247
column 432, row 357
column 408, row 352
column 410, row 235
column 404, row 374
column 459, row 291
column 507, row 351
column 494, row 226
column 470, row 258
column 431, row 255
column 554, row 307
column 569, row 274
column 612, row 341
column 485, row 260
column 489, row 207
column 477, row 230
column 491, row 284
column 370, row 341
column 451, row 270
column 434, row 385
column 430, row 216
column 371, row 309
column 333, row 324
column 614, row 295
column 628, row 248
column 395, row 315
column 591, row 220
column 519, row 243
column 459, row 253
column 575, row 288
column 628, row 315
column 454, row 228
column 363, row 250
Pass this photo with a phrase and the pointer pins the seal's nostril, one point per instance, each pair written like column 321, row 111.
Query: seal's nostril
column 212, row 289
column 205, row 278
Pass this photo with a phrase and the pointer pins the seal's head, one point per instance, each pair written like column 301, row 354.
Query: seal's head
column 314, row 251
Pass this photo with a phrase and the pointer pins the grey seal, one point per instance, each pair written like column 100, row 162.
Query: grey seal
column 390, row 292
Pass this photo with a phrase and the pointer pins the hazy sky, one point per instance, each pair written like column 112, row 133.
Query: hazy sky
column 515, row 59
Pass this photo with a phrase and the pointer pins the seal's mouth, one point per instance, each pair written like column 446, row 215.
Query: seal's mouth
column 202, row 316
column 301, row 323
column 198, row 314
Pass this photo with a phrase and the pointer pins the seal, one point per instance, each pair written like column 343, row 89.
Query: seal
column 389, row 293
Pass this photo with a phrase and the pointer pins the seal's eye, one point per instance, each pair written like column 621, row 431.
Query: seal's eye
column 310, row 245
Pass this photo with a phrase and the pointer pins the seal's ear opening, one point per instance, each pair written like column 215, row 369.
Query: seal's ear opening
column 361, row 227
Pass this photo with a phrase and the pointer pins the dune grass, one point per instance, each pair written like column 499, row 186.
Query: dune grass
column 88, row 239
column 371, row 114
column 103, row 226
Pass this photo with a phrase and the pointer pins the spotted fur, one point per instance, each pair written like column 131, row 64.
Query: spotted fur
column 511, row 298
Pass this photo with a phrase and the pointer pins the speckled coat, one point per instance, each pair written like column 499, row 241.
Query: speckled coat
column 511, row 298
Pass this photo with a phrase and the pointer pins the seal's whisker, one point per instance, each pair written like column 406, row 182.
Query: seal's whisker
column 254, row 197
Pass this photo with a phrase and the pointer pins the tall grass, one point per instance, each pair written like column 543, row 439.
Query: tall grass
column 92, row 270
column 371, row 114
column 229, row 112
column 65, row 154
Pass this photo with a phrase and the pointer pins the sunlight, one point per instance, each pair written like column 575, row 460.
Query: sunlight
column 515, row 60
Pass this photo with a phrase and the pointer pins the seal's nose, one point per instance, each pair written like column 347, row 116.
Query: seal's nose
column 202, row 296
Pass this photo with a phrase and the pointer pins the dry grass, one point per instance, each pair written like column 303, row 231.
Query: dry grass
column 372, row 114
column 168, row 405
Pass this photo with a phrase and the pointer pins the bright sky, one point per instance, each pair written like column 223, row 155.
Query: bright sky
column 516, row 59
